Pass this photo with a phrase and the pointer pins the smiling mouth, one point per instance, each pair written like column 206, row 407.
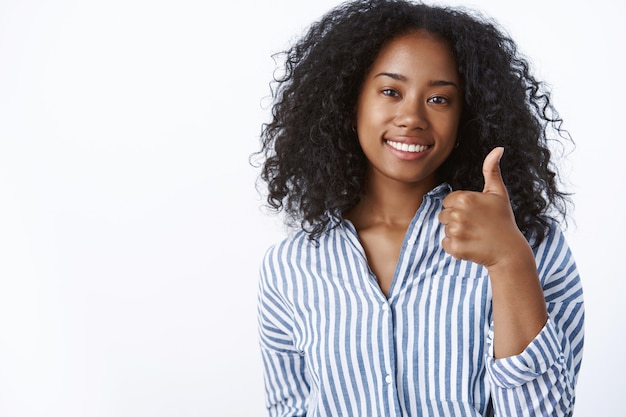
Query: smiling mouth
column 405, row 147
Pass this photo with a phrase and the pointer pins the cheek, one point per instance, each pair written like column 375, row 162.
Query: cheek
column 449, row 126
column 371, row 118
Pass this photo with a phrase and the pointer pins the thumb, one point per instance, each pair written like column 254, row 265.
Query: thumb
column 491, row 171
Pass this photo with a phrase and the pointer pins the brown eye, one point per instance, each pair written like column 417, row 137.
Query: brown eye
column 438, row 100
column 390, row 92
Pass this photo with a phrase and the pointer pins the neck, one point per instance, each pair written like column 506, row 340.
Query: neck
column 389, row 202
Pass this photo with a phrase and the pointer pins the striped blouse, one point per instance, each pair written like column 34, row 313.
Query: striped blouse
column 334, row 345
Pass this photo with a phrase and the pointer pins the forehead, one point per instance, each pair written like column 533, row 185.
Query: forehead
column 416, row 53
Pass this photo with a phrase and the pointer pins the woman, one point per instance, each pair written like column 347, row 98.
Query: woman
column 423, row 281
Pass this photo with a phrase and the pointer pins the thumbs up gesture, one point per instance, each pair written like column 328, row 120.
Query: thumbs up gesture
column 480, row 227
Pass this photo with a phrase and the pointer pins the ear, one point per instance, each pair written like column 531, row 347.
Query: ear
column 353, row 120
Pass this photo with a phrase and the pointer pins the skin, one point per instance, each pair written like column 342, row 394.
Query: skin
column 412, row 95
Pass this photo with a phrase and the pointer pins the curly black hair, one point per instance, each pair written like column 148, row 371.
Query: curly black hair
column 313, row 164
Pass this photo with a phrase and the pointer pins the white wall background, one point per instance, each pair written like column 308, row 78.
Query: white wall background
column 130, row 228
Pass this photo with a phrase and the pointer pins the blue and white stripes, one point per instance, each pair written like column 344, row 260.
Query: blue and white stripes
column 334, row 345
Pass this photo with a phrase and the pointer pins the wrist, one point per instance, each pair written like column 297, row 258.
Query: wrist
column 518, row 255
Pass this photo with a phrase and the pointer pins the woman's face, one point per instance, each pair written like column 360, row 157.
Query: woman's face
column 409, row 108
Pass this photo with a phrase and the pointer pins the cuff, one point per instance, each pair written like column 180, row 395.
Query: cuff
column 543, row 352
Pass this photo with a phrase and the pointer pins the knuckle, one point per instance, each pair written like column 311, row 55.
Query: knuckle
column 454, row 248
column 453, row 229
column 458, row 216
column 463, row 200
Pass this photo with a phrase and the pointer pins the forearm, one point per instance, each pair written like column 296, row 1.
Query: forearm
column 541, row 379
column 519, row 307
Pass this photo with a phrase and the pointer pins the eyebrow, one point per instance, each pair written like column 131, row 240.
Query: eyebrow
column 400, row 77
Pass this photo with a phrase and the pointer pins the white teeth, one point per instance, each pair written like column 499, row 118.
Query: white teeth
column 405, row 147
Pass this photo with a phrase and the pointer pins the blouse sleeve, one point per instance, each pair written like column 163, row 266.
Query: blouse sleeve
column 540, row 381
column 286, row 385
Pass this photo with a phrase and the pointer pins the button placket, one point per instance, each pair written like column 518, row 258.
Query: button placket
column 388, row 378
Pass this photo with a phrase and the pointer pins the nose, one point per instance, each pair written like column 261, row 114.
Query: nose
column 412, row 115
